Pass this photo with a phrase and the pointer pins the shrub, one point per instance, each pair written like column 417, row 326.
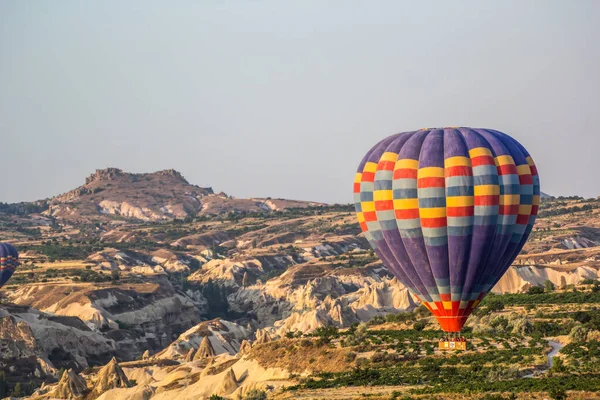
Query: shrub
column 378, row 356
column 520, row 325
column 256, row 394
column 500, row 324
column 535, row 290
column 529, row 307
column 494, row 305
column 325, row 334
column 558, row 365
column 578, row 333
column 419, row 325
column 557, row 393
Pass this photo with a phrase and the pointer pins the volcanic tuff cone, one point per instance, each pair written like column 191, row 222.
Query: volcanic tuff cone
column 245, row 346
column 229, row 383
column 70, row 386
column 205, row 350
column 190, row 355
column 262, row 336
column 109, row 377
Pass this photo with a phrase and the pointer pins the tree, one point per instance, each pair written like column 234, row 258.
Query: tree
column 548, row 286
column 325, row 334
column 578, row 333
column 3, row 385
column 495, row 305
column 290, row 335
column 419, row 325
column 115, row 275
column 500, row 324
column 17, row 391
column 558, row 365
column 535, row 290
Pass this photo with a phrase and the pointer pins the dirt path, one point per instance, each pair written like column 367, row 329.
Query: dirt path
column 553, row 353
column 555, row 349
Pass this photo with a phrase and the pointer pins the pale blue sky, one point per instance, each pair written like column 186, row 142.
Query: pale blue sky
column 283, row 98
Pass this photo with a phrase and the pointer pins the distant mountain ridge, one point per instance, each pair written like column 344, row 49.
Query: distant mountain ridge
column 161, row 195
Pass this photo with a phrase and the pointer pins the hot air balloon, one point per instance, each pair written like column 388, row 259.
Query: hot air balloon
column 447, row 210
column 9, row 260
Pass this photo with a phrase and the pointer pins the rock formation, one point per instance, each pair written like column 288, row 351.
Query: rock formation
column 519, row 279
column 21, row 353
column 146, row 355
column 157, row 307
column 109, row 377
column 262, row 337
column 70, row 386
column 245, row 347
column 205, row 350
column 308, row 296
column 224, row 337
column 17, row 339
column 190, row 355
column 229, row 383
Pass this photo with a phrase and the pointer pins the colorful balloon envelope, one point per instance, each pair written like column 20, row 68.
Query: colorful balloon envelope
column 447, row 210
column 9, row 260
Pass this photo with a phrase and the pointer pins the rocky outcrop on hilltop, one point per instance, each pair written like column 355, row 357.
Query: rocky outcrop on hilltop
column 136, row 196
column 162, row 195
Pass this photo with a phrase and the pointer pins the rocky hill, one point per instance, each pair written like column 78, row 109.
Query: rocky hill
column 148, row 197
column 162, row 195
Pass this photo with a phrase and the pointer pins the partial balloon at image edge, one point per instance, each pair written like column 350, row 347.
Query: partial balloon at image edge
column 9, row 261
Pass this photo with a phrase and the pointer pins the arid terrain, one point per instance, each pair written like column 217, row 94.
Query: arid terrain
column 144, row 286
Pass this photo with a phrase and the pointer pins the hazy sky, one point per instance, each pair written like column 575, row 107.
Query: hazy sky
column 283, row 98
